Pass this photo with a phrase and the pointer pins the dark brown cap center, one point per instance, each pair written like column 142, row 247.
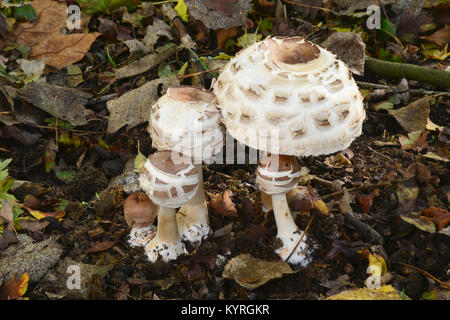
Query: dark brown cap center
column 292, row 51
column 186, row 94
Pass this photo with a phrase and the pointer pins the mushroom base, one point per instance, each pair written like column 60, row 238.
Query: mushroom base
column 192, row 231
column 139, row 237
column 289, row 242
column 192, row 218
column 167, row 251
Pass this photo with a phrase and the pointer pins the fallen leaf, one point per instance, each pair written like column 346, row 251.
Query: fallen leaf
column 45, row 38
column 61, row 102
column 414, row 141
column 6, row 212
column 439, row 216
column 101, row 246
column 350, row 48
column 440, row 37
column 251, row 273
column 367, row 200
column 337, row 161
column 13, row 289
column 420, row 222
column 414, row 116
column 434, row 156
column 41, row 214
column 219, row 14
column 134, row 107
column 222, row 204
column 386, row 292
column 224, row 34
column 182, row 10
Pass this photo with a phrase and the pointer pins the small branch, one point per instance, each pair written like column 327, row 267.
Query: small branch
column 444, row 285
column 369, row 85
column 364, row 228
column 409, row 71
column 367, row 186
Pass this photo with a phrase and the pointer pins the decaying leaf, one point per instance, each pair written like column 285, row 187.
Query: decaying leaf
column 350, row 48
column 219, row 14
column 416, row 140
column 61, row 102
column 414, row 116
column 386, row 292
column 337, row 161
column 439, row 216
column 440, row 37
column 222, row 204
column 251, row 273
column 41, row 215
column 101, row 246
column 133, row 107
column 45, row 38
column 419, row 221
column 367, row 200
column 14, row 289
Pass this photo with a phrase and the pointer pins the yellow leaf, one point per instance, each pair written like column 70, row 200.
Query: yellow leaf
column 321, row 206
column 182, row 10
column 22, row 284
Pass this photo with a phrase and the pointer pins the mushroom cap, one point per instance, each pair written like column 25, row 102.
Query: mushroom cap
column 277, row 173
column 169, row 179
column 290, row 96
column 139, row 210
column 187, row 120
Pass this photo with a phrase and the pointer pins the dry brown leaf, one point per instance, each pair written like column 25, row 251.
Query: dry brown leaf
column 224, row 34
column 222, row 203
column 440, row 37
column 367, row 200
column 251, row 273
column 45, row 38
column 101, row 246
column 15, row 289
column 439, row 216
column 414, row 116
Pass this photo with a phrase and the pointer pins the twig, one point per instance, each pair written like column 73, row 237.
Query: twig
column 197, row 73
column 313, row 7
column 444, row 285
column 367, row 186
column 389, row 88
column 364, row 228
column 301, row 238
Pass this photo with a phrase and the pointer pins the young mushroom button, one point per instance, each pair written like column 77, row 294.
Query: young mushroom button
column 187, row 120
column 170, row 180
column 140, row 213
column 288, row 96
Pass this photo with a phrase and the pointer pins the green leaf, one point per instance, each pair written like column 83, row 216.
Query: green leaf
column 25, row 12
column 183, row 68
column 182, row 10
column 384, row 105
column 266, row 24
column 65, row 175
column 248, row 39
column 4, row 164
column 91, row 7
column 164, row 70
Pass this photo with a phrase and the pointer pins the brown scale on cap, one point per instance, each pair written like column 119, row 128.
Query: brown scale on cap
column 163, row 161
column 292, row 51
column 139, row 210
column 283, row 163
column 186, row 94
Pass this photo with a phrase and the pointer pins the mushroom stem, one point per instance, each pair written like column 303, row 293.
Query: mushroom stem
column 167, row 225
column 283, row 217
column 288, row 232
column 192, row 218
column 167, row 242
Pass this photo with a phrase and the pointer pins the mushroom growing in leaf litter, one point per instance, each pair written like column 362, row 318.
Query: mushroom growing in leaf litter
column 187, row 120
column 288, row 96
column 140, row 213
column 170, row 180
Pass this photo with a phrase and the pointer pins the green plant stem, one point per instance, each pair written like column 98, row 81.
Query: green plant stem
column 409, row 71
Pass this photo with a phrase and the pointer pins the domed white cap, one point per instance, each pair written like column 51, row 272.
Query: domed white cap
column 290, row 96
column 169, row 179
column 187, row 120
